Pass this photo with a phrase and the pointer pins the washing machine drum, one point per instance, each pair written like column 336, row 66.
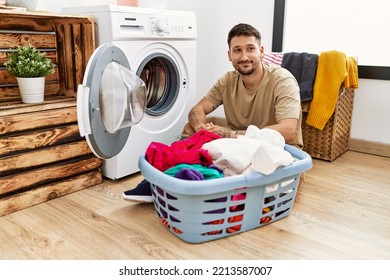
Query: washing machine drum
column 111, row 99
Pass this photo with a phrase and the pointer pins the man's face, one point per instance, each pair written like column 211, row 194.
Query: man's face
column 245, row 54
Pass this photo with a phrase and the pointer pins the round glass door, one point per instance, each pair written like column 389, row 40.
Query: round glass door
column 111, row 99
column 161, row 77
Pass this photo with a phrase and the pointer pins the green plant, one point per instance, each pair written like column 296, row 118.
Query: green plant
column 27, row 62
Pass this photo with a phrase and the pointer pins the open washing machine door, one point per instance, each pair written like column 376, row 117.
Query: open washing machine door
column 111, row 99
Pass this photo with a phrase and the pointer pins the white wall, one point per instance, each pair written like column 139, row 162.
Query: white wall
column 348, row 28
column 55, row 7
column 360, row 29
column 371, row 115
column 371, row 112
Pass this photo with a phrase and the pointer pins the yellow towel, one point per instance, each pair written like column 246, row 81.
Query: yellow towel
column 352, row 80
column 331, row 73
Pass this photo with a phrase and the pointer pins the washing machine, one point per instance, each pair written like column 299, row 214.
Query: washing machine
column 158, row 47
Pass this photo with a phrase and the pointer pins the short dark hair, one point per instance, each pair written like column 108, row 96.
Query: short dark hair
column 243, row 29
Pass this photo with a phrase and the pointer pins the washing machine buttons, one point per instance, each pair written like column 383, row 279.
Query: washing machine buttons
column 163, row 27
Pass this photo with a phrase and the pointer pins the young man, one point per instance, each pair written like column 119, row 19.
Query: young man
column 254, row 93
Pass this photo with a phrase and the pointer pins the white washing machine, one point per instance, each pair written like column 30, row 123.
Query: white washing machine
column 160, row 48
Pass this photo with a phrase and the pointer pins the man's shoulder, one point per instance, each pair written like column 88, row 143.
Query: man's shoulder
column 276, row 69
column 231, row 74
column 229, row 77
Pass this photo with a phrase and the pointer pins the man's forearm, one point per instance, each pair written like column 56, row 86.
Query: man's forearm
column 196, row 118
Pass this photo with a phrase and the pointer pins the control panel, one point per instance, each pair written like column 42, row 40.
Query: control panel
column 164, row 26
column 115, row 22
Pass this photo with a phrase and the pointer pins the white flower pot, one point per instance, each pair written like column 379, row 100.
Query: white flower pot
column 32, row 89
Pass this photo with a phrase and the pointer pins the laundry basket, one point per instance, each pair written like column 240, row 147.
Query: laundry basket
column 332, row 141
column 200, row 211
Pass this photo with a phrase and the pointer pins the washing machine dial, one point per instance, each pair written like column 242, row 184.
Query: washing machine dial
column 161, row 25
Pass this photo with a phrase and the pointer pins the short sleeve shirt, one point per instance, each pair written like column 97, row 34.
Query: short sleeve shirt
column 276, row 98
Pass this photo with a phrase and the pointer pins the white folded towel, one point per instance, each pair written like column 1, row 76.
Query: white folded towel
column 261, row 150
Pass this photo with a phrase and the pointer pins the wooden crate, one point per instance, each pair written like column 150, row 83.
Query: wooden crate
column 331, row 142
column 42, row 155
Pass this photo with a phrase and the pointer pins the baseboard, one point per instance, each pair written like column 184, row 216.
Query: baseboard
column 369, row 147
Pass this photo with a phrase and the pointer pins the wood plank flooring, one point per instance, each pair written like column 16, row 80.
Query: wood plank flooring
column 342, row 211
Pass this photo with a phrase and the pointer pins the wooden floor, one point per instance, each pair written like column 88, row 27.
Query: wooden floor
column 342, row 211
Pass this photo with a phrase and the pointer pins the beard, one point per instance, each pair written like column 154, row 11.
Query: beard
column 246, row 71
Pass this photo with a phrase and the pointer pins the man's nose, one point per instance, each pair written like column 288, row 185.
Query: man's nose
column 244, row 55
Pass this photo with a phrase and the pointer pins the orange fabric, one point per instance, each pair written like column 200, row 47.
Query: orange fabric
column 267, row 219
column 331, row 73
column 352, row 80
column 166, row 223
column 232, row 229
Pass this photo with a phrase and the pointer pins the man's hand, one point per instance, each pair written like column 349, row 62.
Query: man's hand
column 220, row 130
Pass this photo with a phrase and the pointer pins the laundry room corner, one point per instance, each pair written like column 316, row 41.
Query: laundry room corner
column 101, row 180
column 174, row 64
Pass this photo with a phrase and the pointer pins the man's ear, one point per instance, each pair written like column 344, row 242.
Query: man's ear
column 230, row 59
column 261, row 52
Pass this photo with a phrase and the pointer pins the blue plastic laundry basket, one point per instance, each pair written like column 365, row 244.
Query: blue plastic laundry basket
column 200, row 211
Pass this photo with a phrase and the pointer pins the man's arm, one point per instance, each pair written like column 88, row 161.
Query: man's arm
column 197, row 115
column 197, row 120
column 286, row 127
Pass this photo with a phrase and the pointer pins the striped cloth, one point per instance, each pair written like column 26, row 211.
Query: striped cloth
column 273, row 58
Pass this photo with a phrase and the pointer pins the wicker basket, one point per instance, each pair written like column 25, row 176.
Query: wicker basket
column 331, row 142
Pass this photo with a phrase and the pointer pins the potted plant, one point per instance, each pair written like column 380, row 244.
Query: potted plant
column 30, row 68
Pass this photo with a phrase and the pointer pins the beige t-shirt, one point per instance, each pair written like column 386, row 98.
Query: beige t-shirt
column 276, row 98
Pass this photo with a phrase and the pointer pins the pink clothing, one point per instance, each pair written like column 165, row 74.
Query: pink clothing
column 186, row 151
column 195, row 141
column 273, row 58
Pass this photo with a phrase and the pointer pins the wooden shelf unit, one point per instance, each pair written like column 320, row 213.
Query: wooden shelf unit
column 42, row 155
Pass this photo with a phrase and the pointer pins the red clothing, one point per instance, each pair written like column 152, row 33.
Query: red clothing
column 186, row 151
column 196, row 141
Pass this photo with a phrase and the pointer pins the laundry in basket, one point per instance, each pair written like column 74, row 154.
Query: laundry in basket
column 200, row 211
